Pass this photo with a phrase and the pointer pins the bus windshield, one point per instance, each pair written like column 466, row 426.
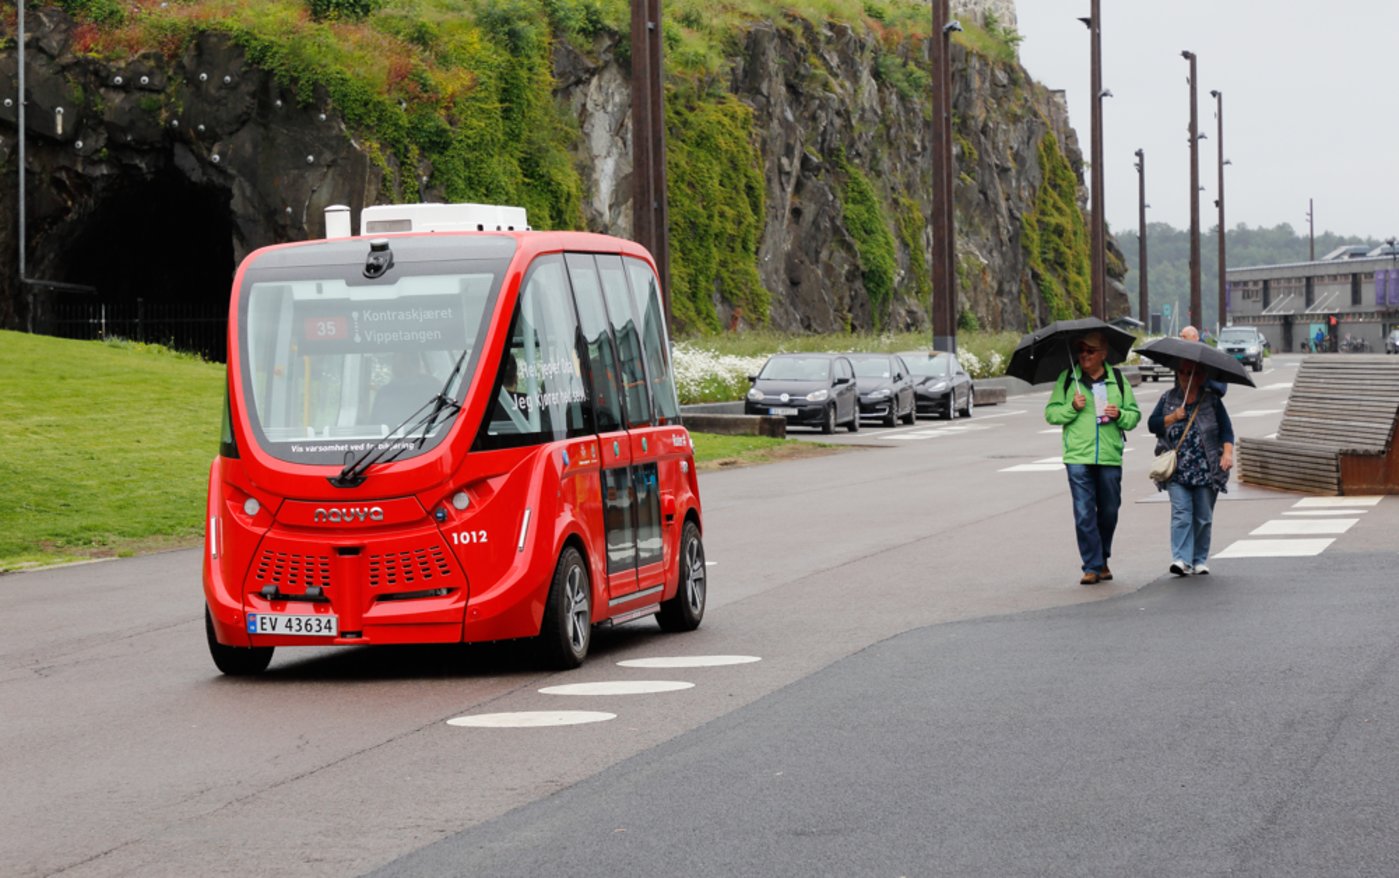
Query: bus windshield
column 332, row 365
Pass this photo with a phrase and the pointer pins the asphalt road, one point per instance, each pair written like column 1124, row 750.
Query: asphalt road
column 932, row 693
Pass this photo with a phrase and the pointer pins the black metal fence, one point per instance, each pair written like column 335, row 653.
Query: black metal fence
column 200, row 328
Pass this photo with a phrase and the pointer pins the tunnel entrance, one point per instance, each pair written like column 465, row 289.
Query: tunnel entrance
column 159, row 254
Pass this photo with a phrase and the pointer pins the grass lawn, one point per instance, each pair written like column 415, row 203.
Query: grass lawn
column 105, row 448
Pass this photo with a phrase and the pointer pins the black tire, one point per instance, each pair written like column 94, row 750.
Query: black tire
column 854, row 425
column 236, row 661
column 950, row 411
column 1258, row 366
column 685, row 611
column 971, row 403
column 567, row 629
column 911, row 416
column 828, row 421
column 892, row 419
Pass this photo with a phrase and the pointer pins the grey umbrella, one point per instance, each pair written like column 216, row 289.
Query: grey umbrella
column 1044, row 353
column 1170, row 352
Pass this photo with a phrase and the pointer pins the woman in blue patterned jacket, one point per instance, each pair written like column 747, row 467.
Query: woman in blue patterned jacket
column 1193, row 410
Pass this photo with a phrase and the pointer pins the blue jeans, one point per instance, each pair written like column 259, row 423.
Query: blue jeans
column 1192, row 515
column 1097, row 493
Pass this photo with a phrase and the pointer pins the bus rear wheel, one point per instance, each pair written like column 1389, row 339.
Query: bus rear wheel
column 684, row 611
column 235, row 661
column 568, row 615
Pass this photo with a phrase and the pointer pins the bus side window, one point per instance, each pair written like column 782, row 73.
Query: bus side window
column 648, row 296
column 538, row 394
column 597, row 338
column 626, row 321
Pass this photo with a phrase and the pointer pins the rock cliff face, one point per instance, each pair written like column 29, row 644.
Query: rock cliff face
column 159, row 174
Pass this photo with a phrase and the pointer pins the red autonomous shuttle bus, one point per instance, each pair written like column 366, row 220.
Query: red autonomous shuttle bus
column 436, row 435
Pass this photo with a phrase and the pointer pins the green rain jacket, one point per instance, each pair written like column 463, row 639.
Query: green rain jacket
column 1085, row 440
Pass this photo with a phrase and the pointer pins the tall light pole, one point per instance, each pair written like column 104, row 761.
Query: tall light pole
column 944, row 274
column 1098, row 252
column 1196, row 316
column 23, row 286
column 1223, row 313
column 650, row 212
column 1311, row 233
column 1143, row 299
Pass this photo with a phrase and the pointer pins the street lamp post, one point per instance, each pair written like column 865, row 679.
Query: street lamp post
column 944, row 275
column 1311, row 233
column 650, row 212
column 1098, row 253
column 1196, row 316
column 1143, row 298
column 1223, row 313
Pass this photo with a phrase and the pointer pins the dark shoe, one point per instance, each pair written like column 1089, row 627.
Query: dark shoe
column 1180, row 568
column 1105, row 574
column 1090, row 578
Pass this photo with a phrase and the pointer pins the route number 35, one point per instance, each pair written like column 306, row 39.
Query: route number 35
column 468, row 537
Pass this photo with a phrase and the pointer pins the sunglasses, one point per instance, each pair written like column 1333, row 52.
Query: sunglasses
column 1085, row 349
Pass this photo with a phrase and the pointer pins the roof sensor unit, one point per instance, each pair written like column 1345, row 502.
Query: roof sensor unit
column 379, row 260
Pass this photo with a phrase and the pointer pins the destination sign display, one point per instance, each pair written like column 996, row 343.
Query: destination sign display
column 408, row 323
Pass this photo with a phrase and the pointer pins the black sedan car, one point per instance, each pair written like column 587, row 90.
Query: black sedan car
column 814, row 390
column 886, row 388
column 940, row 385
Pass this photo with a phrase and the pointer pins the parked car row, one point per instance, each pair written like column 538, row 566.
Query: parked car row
column 830, row 390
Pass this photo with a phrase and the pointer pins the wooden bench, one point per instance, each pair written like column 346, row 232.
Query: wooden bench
column 1337, row 432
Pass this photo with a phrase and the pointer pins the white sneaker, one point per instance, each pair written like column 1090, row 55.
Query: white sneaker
column 1202, row 570
column 1180, row 568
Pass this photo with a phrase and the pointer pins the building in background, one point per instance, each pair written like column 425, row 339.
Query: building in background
column 1350, row 295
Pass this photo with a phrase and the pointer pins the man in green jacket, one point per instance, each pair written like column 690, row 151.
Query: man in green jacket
column 1095, row 406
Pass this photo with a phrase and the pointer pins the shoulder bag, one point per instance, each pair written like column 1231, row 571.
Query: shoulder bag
column 1164, row 466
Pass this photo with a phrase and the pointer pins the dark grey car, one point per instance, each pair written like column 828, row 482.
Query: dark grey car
column 940, row 385
column 813, row 390
column 886, row 388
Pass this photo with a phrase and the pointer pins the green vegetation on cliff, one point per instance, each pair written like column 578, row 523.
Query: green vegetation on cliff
column 715, row 180
column 1055, row 239
column 463, row 91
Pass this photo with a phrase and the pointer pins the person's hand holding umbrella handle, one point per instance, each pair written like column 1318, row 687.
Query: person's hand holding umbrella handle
column 1079, row 400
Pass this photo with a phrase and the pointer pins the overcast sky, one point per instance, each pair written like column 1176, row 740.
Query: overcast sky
column 1311, row 106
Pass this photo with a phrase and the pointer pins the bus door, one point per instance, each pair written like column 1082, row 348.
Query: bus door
column 642, row 429
column 614, row 442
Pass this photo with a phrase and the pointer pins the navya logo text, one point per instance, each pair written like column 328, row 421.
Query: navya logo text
column 348, row 514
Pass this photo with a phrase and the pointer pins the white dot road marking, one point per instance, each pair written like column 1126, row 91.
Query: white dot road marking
column 1255, row 413
column 531, row 719
column 1326, row 512
column 1303, row 526
column 1043, row 465
column 1368, row 500
column 690, row 661
column 618, row 687
column 1283, row 386
column 1275, row 548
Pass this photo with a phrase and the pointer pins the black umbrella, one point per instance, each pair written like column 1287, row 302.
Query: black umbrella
column 1171, row 352
column 1047, row 351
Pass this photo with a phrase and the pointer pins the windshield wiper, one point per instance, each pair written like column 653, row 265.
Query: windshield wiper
column 353, row 474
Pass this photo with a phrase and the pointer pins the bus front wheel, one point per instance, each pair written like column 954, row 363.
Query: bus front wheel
column 684, row 611
column 236, row 661
column 568, row 616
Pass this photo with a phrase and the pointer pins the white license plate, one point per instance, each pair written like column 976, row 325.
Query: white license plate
column 298, row 624
column 784, row 410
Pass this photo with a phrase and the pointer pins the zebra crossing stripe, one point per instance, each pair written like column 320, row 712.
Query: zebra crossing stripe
column 1275, row 548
